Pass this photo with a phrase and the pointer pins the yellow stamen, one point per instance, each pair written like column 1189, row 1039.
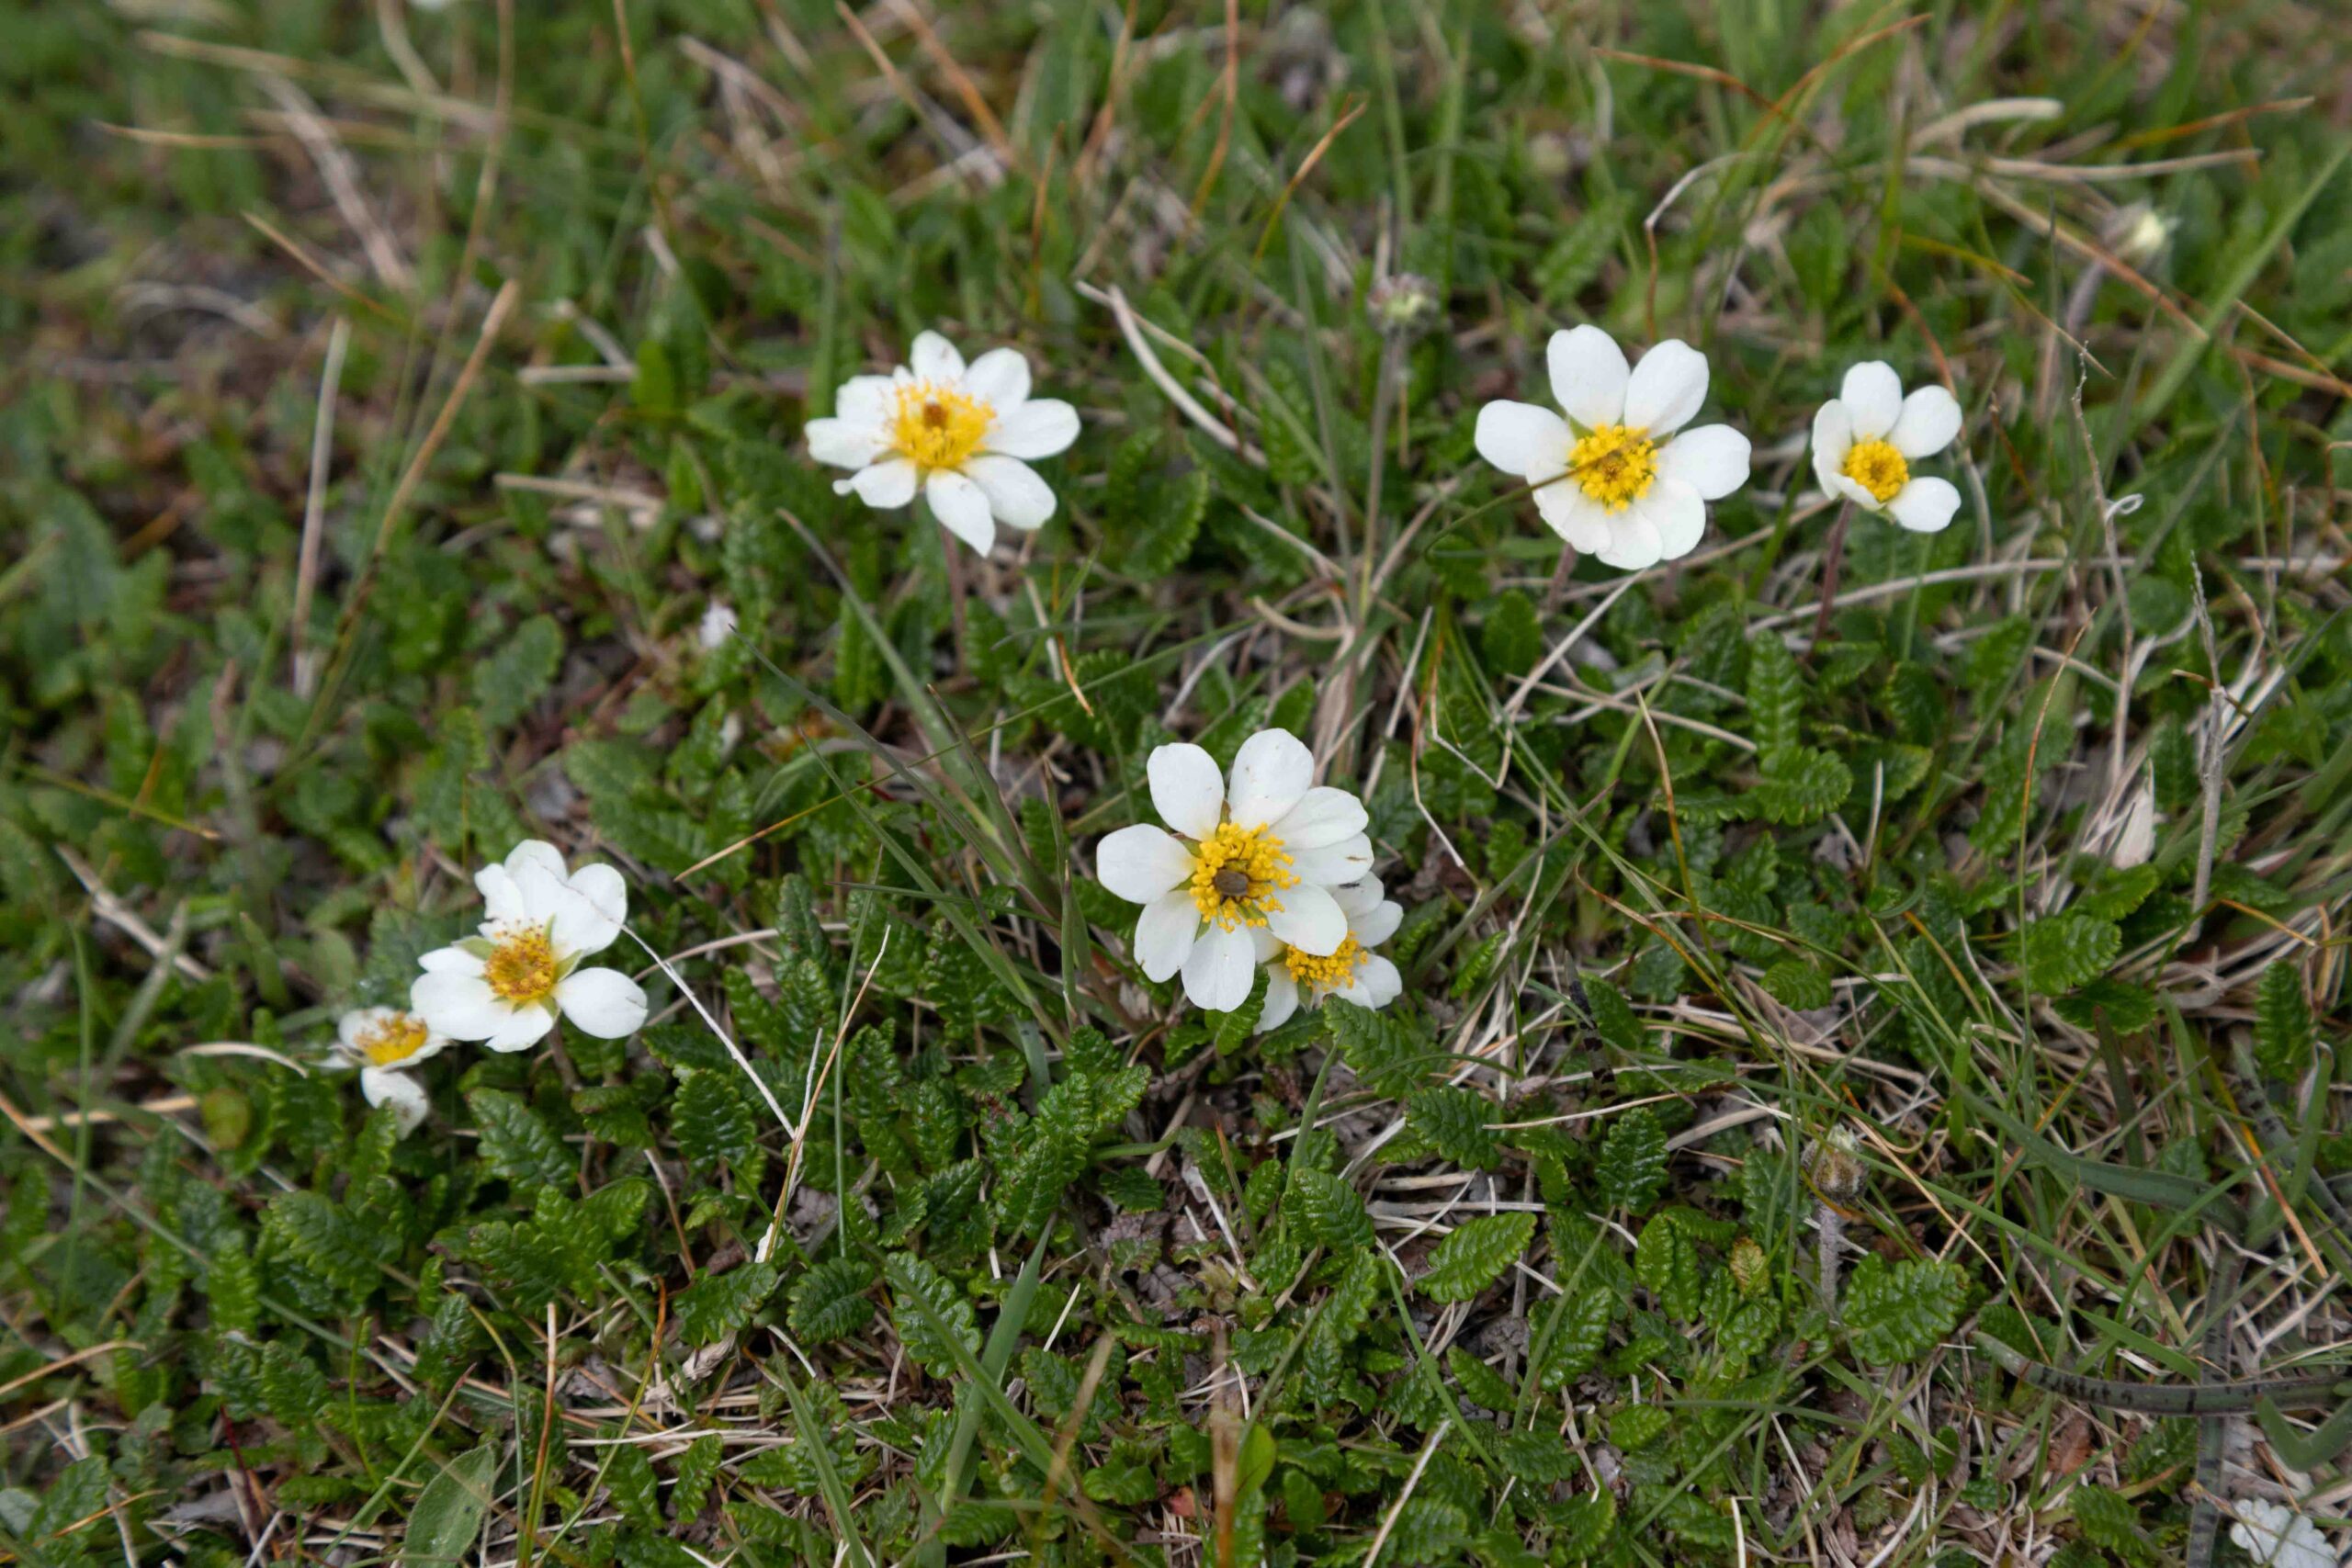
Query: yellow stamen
column 1235, row 872
column 1332, row 973
column 938, row 427
column 521, row 967
column 1878, row 468
column 1616, row 465
column 394, row 1041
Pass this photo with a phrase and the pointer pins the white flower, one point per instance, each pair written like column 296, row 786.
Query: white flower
column 1263, row 849
column 1866, row 438
column 383, row 1044
column 717, row 626
column 956, row 433
column 505, row 987
column 2278, row 1537
column 1613, row 478
column 1296, row 979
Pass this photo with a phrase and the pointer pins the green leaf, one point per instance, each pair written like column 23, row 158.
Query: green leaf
column 1798, row 984
column 512, row 679
column 711, row 1122
column 516, row 1143
column 922, row 1332
column 2064, row 951
column 1579, row 1333
column 1380, row 1047
column 1775, row 694
column 1667, row 1261
column 1576, row 258
column 447, row 1519
column 1329, row 1211
column 329, row 1242
column 1455, row 1121
column 720, row 1304
column 2284, row 1036
column 1475, row 1255
column 1799, row 785
column 1632, row 1168
column 828, row 1302
column 1897, row 1312
column 1512, row 638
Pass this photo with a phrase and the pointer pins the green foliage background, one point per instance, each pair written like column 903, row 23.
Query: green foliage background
column 1543, row 1262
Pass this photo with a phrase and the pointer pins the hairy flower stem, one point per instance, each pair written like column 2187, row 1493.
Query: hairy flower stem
column 1830, row 1228
column 1833, row 556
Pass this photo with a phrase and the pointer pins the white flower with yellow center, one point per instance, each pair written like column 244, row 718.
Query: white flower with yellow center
column 506, row 986
column 1866, row 438
column 1614, row 479
column 1263, row 849
column 958, row 433
column 1353, row 972
column 383, row 1044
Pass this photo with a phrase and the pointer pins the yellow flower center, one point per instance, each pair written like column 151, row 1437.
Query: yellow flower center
column 1331, row 973
column 521, row 967
column 1878, row 467
column 938, row 427
column 394, row 1041
column 1615, row 464
column 1234, row 872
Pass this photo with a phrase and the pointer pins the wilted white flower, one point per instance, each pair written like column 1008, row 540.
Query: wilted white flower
column 506, row 986
column 1295, row 978
column 383, row 1044
column 717, row 626
column 1866, row 438
column 2278, row 1537
column 958, row 433
column 1265, row 849
column 1613, row 478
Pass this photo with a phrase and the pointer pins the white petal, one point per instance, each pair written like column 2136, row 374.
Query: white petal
column 1000, row 379
column 460, row 1005
column 887, row 485
column 1380, row 981
column 1217, row 972
column 1358, row 899
column 1833, row 437
column 1712, row 459
column 1522, row 439
column 1583, row 521
column 521, row 1029
column 840, row 443
column 360, row 1022
column 538, row 852
column 961, row 508
column 1271, row 775
column 1379, row 924
column 602, row 1002
column 1334, row 865
column 1930, row 418
column 602, row 886
column 1633, row 544
column 1873, row 398
column 1186, row 789
column 1265, row 945
column 1323, row 816
column 1016, row 495
column 1675, row 510
column 933, row 359
column 1141, row 862
column 575, row 926
column 1925, row 506
column 450, row 960
column 1038, row 428
column 864, row 399
column 501, row 898
column 1667, row 387
column 402, row 1092
column 1310, row 919
column 1164, row 933
column 1281, row 997
column 1852, row 490
column 1588, row 376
